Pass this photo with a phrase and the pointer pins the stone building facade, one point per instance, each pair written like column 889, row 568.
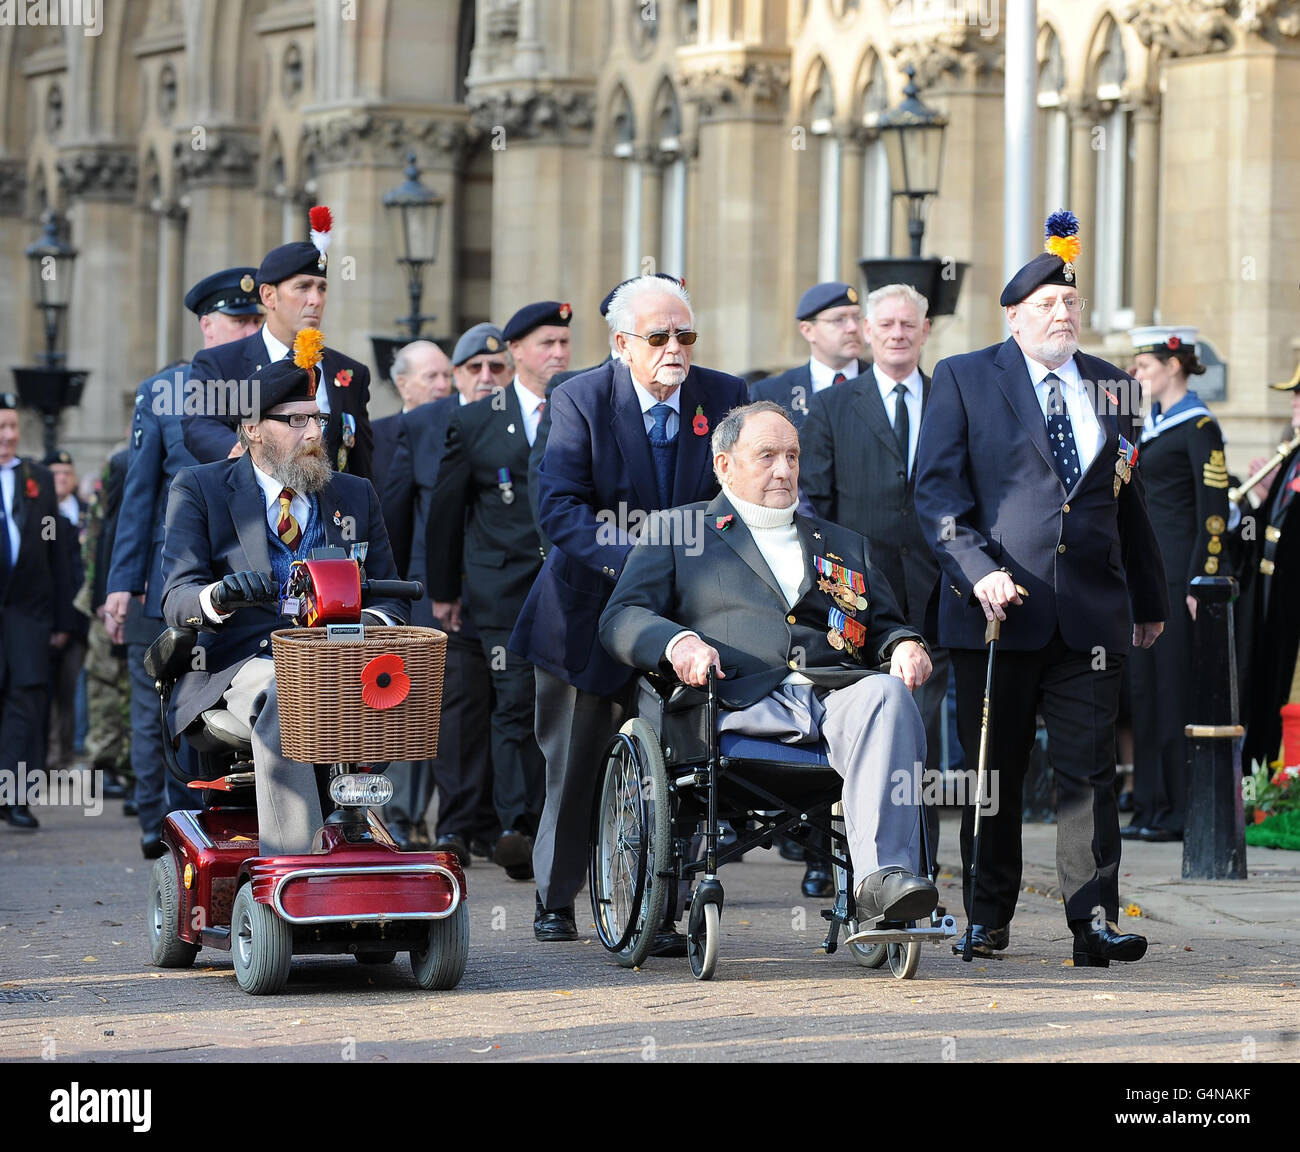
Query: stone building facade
column 578, row 142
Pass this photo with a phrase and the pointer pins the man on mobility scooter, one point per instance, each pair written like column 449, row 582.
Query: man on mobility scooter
column 240, row 534
column 795, row 619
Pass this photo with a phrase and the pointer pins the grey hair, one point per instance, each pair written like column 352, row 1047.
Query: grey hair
column 622, row 309
column 902, row 291
column 727, row 432
column 402, row 361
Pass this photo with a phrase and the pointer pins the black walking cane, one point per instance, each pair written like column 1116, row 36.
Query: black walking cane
column 991, row 633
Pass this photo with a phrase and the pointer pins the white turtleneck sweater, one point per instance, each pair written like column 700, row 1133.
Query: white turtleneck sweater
column 777, row 538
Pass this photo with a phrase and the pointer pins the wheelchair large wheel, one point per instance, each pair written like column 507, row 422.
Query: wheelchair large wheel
column 442, row 963
column 261, row 945
column 166, row 948
column 631, row 844
column 904, row 959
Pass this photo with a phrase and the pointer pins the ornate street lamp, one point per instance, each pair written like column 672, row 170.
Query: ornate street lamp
column 415, row 215
column 912, row 133
column 51, row 387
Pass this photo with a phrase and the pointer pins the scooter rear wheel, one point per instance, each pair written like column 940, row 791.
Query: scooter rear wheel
column 261, row 945
column 441, row 965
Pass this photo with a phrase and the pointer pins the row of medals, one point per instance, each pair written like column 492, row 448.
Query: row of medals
column 847, row 601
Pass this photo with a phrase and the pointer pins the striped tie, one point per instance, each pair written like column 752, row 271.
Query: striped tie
column 288, row 528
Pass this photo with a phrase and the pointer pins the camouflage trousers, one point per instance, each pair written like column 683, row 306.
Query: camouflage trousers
column 108, row 702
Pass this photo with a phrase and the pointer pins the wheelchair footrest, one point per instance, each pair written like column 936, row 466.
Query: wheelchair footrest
column 895, row 934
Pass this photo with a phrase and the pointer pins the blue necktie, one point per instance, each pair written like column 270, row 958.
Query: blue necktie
column 658, row 449
column 1060, row 432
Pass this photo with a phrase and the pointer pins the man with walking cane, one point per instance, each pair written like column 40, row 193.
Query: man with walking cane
column 1028, row 478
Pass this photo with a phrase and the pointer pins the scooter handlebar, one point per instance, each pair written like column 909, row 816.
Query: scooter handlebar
column 396, row 589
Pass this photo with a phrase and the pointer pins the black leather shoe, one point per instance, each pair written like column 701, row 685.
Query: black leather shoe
column 1159, row 835
column 455, row 845
column 514, row 852
column 1131, row 831
column 788, row 849
column 895, row 894
column 1097, row 947
column 129, row 808
column 111, row 788
column 19, row 816
column 554, row 924
column 420, row 839
column 817, row 881
column 480, row 848
column 401, row 834
column 984, row 940
column 151, row 844
column 1125, row 802
column 668, row 942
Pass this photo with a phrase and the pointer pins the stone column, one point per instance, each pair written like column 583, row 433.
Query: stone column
column 652, row 208
column 1145, row 224
column 217, row 192
column 852, row 146
column 16, row 232
column 1083, row 185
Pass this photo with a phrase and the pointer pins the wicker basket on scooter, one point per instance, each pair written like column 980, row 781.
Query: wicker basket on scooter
column 359, row 703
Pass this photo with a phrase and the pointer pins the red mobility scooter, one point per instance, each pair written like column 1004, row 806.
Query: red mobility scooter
column 375, row 696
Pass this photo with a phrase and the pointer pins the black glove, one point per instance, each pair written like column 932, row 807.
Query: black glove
column 242, row 589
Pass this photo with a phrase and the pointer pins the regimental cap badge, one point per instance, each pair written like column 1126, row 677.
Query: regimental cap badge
column 246, row 283
column 1062, row 239
column 565, row 311
column 322, row 224
column 492, row 343
column 852, row 294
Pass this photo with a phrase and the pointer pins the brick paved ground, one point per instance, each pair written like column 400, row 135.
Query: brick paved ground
column 1219, row 982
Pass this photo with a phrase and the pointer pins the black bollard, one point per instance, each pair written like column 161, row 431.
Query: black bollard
column 1214, row 838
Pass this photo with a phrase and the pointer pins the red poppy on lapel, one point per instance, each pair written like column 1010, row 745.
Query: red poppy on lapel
column 344, row 378
column 33, row 489
column 1110, row 396
column 700, row 425
column 723, row 522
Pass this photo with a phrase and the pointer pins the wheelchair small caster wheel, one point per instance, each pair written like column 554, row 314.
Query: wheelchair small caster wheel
column 702, row 934
column 865, row 955
column 904, row 959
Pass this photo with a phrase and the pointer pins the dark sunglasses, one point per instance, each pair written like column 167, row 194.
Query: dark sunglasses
column 685, row 337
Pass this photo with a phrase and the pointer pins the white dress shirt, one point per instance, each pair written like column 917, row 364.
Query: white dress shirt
column 1078, row 403
column 277, row 351
column 912, row 398
column 529, row 403
column 648, row 400
column 823, row 377
column 8, row 478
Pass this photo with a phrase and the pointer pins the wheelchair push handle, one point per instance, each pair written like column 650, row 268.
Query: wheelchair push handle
column 395, row 589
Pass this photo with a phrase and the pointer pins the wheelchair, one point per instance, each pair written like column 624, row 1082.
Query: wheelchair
column 668, row 780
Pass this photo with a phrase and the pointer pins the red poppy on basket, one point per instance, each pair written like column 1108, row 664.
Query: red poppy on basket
column 700, row 425
column 33, row 489
column 384, row 682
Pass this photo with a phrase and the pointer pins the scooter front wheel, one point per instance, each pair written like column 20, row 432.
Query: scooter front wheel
column 442, row 963
column 261, row 945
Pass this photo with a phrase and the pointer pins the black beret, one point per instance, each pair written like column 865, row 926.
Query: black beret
column 819, row 297
column 604, row 304
column 59, row 456
column 232, row 291
column 532, row 316
column 296, row 259
column 1045, row 268
column 282, row 382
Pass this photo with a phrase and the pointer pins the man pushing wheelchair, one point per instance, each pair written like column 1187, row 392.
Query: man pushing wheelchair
column 796, row 621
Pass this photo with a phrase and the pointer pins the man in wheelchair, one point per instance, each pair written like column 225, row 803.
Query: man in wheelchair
column 796, row 621
column 234, row 528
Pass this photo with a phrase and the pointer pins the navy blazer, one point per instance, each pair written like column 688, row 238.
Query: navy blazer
column 596, row 483
column 793, row 390
column 210, row 437
column 989, row 499
column 216, row 525
column 157, row 454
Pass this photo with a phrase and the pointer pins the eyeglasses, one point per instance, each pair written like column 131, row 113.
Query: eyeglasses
column 1074, row 304
column 839, row 321
column 496, row 367
column 685, row 337
column 298, row 419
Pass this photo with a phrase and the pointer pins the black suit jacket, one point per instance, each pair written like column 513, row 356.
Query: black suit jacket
column 851, row 469
column 793, row 390
column 720, row 586
column 216, row 525
column 989, row 499
column 38, row 599
column 391, row 474
column 211, row 436
column 482, row 543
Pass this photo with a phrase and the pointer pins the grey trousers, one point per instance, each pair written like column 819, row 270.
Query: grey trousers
column 875, row 740
column 573, row 729
column 288, row 804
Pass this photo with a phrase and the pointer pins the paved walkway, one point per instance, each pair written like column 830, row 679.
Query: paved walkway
column 1219, row 982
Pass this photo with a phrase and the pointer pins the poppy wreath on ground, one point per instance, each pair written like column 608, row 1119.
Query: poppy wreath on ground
column 384, row 682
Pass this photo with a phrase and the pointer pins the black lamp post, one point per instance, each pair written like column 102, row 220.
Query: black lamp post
column 51, row 387
column 912, row 133
column 415, row 214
